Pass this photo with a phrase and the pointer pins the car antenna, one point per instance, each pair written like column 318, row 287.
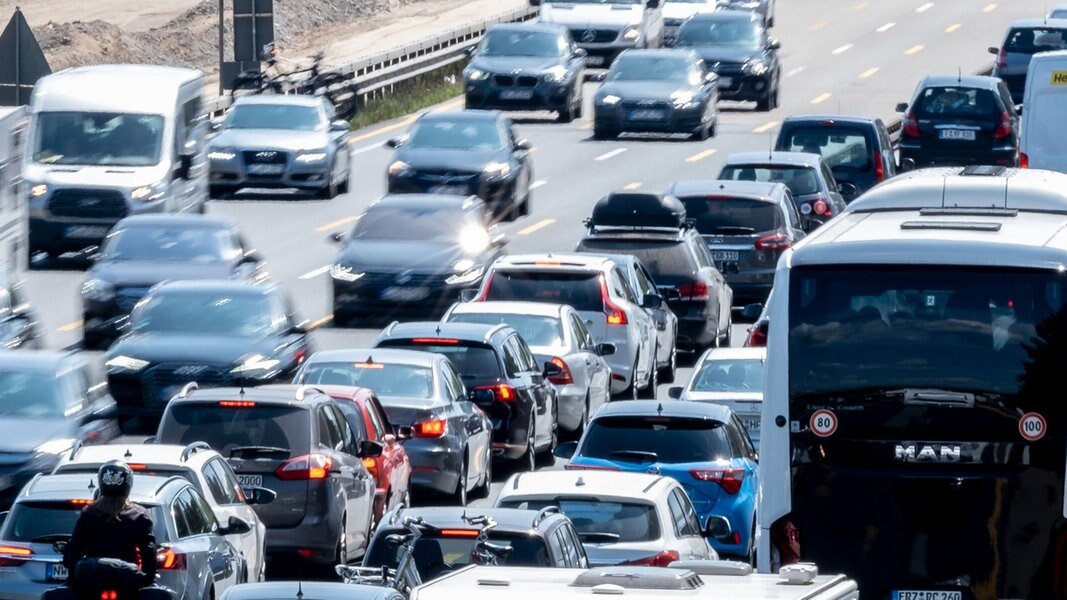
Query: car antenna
column 959, row 74
column 128, row 454
column 299, row 590
column 659, row 409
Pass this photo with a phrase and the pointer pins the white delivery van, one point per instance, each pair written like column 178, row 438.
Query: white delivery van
column 604, row 28
column 13, row 254
column 1042, row 144
column 109, row 141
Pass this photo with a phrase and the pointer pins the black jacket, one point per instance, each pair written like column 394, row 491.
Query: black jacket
column 127, row 537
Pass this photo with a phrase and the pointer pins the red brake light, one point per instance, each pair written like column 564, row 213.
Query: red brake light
column 459, row 533
column 828, row 123
column 694, row 291
column 774, row 241
column 615, row 316
column 565, row 377
column 879, row 168
column 109, row 595
column 136, row 467
column 435, row 341
column 662, row 559
column 501, row 392
column 821, row 207
column 169, row 560
column 910, row 127
column 19, row 551
column 574, row 467
column 237, row 404
column 756, row 338
column 1024, row 161
column 434, row 428
column 1003, row 129
column 368, row 365
column 729, row 479
column 308, row 466
column 1002, row 59
column 547, row 263
column 80, row 502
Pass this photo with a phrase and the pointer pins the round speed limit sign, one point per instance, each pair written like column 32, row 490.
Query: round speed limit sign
column 823, row 423
column 1032, row 427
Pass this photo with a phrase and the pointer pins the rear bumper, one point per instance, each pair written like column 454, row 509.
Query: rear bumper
column 693, row 332
column 317, row 533
column 1003, row 155
column 435, row 464
column 571, row 406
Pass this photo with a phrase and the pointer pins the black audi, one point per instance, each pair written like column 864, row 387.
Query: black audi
column 662, row 91
column 460, row 153
column 143, row 251
column 526, row 67
column 412, row 251
column 213, row 333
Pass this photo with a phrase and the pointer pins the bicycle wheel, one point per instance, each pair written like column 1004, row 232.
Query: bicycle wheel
column 339, row 91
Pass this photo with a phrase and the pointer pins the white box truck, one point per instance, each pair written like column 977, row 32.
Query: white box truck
column 1042, row 144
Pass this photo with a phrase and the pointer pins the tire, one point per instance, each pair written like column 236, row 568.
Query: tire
column 602, row 134
column 667, row 374
column 547, row 456
column 342, row 318
column 342, row 542
column 482, row 491
column 702, row 134
column 764, row 104
column 578, row 108
column 649, row 391
column 580, row 429
column 528, row 460
column 459, row 497
column 566, row 115
column 220, row 192
column 344, row 187
column 330, row 190
column 713, row 130
column 728, row 339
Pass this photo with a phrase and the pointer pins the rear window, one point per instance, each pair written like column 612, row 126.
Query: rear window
column 433, row 553
column 655, row 439
column 722, row 215
column 665, row 259
column 41, row 522
column 956, row 102
column 734, row 375
column 230, row 426
column 631, row 521
column 580, row 290
column 536, row 330
column 800, row 180
column 1031, row 40
column 842, row 148
column 387, row 380
column 472, row 361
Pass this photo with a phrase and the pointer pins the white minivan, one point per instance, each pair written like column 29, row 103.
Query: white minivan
column 604, row 28
column 109, row 141
column 1042, row 144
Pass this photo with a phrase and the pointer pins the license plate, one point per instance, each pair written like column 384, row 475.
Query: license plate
column 448, row 189
column 516, row 94
column 56, row 572
column 594, row 61
column 405, row 294
column 250, row 481
column 724, row 256
column 957, row 134
column 725, row 82
column 647, row 114
column 266, row 169
column 927, row 595
column 86, row 231
column 751, row 425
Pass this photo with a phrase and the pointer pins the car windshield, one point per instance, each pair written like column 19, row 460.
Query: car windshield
column 416, row 225
column 842, row 148
column 649, row 67
column 605, row 1
column 215, row 314
column 275, row 116
column 581, row 290
column 800, row 180
column 472, row 360
column 522, row 43
column 388, row 380
column 631, row 521
column 199, row 245
column 98, row 139
column 1031, row 40
column 30, row 521
column 463, row 134
column 536, row 330
column 956, row 102
column 746, row 35
column 228, row 425
column 724, row 215
column 669, row 439
column 666, row 260
column 29, row 395
column 729, row 375
column 435, row 554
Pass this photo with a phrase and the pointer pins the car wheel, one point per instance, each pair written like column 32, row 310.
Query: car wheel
column 649, row 391
column 602, row 134
column 764, row 103
column 547, row 457
column 581, row 102
column 713, row 130
column 483, row 490
column 630, row 393
column 728, row 339
column 219, row 191
column 580, row 429
column 528, row 460
column 345, row 185
column 329, row 191
column 566, row 114
column 666, row 375
column 524, row 208
column 342, row 541
column 459, row 497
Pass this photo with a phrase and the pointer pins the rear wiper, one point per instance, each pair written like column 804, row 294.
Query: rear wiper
column 936, row 397
column 598, row 537
column 640, row 455
column 733, row 229
column 242, row 450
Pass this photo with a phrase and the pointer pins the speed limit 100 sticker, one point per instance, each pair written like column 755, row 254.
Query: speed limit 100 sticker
column 1032, row 427
column 823, row 423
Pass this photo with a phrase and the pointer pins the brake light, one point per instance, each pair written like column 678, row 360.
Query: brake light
column 237, row 404
column 547, row 263
column 757, row 338
column 109, row 595
column 564, row 378
column 774, row 241
column 614, row 314
column 308, row 466
column 786, row 538
column 821, row 207
column 81, row 501
column 368, row 365
column 574, row 467
column 435, row 341
column 371, row 465
column 170, row 560
column 729, row 480
column 434, row 428
column 1024, row 161
column 300, row 355
column 879, row 168
column 501, row 392
column 1003, row 129
column 1002, row 59
column 662, row 559
column 459, row 533
column 16, row 551
column 694, row 291
column 136, row 467
column 909, row 127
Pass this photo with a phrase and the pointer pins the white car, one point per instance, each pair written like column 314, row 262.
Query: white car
column 204, row 468
column 675, row 12
column 621, row 518
column 732, row 377
column 600, row 291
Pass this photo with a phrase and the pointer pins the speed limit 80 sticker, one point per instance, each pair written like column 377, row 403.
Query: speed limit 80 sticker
column 823, row 423
column 1032, row 426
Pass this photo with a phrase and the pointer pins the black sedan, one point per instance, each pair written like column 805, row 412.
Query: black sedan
column 220, row 333
column 412, row 251
column 526, row 67
column 470, row 152
column 736, row 47
column 18, row 320
column 661, row 91
column 145, row 250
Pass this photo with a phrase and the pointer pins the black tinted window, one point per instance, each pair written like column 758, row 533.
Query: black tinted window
column 521, row 43
column 957, row 102
column 472, row 361
column 632, row 522
column 274, row 116
column 1031, row 40
column 170, row 244
column 480, row 134
column 217, row 314
column 669, row 439
column 580, row 290
column 731, row 216
column 729, row 375
column 664, row 259
column 225, row 426
column 433, row 553
column 424, row 224
column 30, row 521
column 846, row 148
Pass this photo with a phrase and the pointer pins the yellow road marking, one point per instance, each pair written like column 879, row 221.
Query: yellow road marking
column 766, row 127
column 700, row 155
column 989, row 8
column 320, row 322
column 537, row 226
column 818, row 25
column 868, row 72
column 861, row 6
column 71, row 326
column 335, row 224
column 952, row 27
column 632, row 186
column 821, row 98
column 914, row 49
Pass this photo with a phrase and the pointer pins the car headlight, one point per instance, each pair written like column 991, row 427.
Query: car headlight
column 399, row 167
column 631, row 34
column 496, row 169
column 468, row 276
column 311, row 157
column 473, row 240
column 98, row 290
column 555, row 74
column 474, row 74
column 610, row 100
column 756, row 68
column 682, row 99
column 149, row 193
column 345, row 273
column 221, row 154
column 258, row 367
column 37, row 189
column 125, row 363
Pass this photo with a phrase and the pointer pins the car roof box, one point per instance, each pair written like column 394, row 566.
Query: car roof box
column 635, row 209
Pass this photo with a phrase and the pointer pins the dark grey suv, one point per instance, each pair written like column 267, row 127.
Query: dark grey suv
column 293, row 440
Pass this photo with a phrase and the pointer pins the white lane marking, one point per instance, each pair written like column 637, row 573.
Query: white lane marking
column 537, row 184
column 885, row 28
column 611, row 154
column 925, row 7
column 841, row 49
column 792, row 72
column 365, row 149
column 315, row 273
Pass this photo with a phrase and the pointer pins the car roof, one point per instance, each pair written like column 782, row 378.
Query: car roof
column 176, row 220
column 968, row 81
column 214, row 286
column 81, row 486
column 309, row 590
column 468, row 332
column 290, row 99
column 382, row 355
column 586, row 483
column 297, row 396
column 573, row 260
column 543, row 309
column 1034, row 22
column 829, row 121
column 147, row 89
column 452, row 517
column 461, row 115
column 755, row 190
column 735, row 354
column 677, row 53
column 424, row 201
column 528, row 26
column 38, row 361
column 728, row 15
column 665, row 408
column 796, row 159
column 138, row 453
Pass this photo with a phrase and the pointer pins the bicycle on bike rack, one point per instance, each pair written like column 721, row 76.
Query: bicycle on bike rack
column 312, row 80
column 405, row 576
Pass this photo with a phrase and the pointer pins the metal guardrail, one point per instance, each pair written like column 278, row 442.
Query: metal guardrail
column 377, row 74
column 895, row 125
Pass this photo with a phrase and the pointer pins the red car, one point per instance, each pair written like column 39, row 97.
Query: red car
column 392, row 469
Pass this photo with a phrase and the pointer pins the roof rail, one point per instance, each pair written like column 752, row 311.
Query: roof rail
column 390, row 327
column 193, row 448
column 186, row 389
column 544, row 512
column 302, row 392
column 167, row 482
column 74, row 449
column 494, row 329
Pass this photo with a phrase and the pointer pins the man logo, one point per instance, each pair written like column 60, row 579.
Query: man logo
column 1059, row 78
column 912, row 453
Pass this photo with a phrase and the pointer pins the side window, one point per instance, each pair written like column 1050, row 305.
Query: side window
column 511, row 358
column 329, row 436
column 215, row 486
column 703, row 255
column 352, row 416
column 748, row 450
column 204, row 513
column 381, row 419
column 691, row 519
column 644, row 282
column 677, row 514
column 179, row 511
column 583, row 559
column 347, row 437
column 791, row 210
column 580, row 332
column 526, row 358
column 229, row 480
column 198, row 517
column 622, row 286
column 72, row 390
column 375, row 419
column 559, row 547
column 455, row 386
column 828, row 175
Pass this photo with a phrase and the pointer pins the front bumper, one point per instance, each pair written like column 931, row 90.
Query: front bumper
column 49, row 232
column 515, row 92
column 435, row 463
column 741, row 87
column 498, row 193
column 624, row 117
column 386, row 296
column 286, row 172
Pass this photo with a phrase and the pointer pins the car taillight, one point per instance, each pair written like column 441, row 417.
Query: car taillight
column 434, row 428
column 757, row 338
column 1024, row 161
column 371, row 465
column 614, row 314
column 909, row 127
column 662, row 559
column 821, row 207
column 169, row 559
column 1003, row 129
column 786, row 539
column 309, row 466
column 13, row 556
column 109, row 595
column 879, row 168
column 729, row 480
column 574, row 467
column 694, row 291
column 564, row 378
column 502, row 392
column 774, row 241
column 1002, row 59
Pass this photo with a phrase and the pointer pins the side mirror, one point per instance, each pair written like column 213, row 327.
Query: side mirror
column 185, row 166
column 752, row 311
column 675, row 392
column 993, row 50
column 392, row 143
column 848, row 189
column 522, row 144
column 775, row 44
column 369, row 449
column 1019, row 108
column 469, row 50
column 336, row 237
column 259, row 495
column 902, row 107
column 499, row 240
column 235, row 526
column 300, row 328
column 710, row 77
column 251, row 256
column 652, row 4
column 652, row 301
column 468, row 295
column 404, row 433
column 565, row 450
column 551, row 370
column 605, row 349
column 339, row 126
column 535, row 2
column 907, row 164
column 601, row 76
column 580, row 53
column 718, row 528
column 214, row 125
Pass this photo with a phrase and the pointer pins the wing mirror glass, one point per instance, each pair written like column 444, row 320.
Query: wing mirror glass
column 300, row 328
column 775, row 44
column 902, row 107
column 468, row 295
column 404, row 433
column 565, row 450
column 652, row 301
column 605, row 349
column 993, row 50
column 907, row 164
column 597, row 76
column 675, row 392
column 752, row 311
column 522, row 144
column 718, row 528
column 259, row 495
column 370, row 449
column 339, row 126
column 336, row 237
column 235, row 526
column 185, row 166
column 580, row 53
column 551, row 370
column 393, row 143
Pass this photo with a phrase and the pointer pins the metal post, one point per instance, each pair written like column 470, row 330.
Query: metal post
column 222, row 53
column 18, row 59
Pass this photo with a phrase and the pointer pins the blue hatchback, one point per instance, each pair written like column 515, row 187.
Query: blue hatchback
column 701, row 445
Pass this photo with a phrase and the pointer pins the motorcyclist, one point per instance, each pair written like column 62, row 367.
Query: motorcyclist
column 112, row 528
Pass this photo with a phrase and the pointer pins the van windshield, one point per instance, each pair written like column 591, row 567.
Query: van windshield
column 98, row 139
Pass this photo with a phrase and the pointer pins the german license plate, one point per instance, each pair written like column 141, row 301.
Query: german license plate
column 751, row 424
column 594, row 61
column 405, row 294
column 86, row 231
column 647, row 114
column 516, row 94
column 725, row 82
column 724, row 256
column 448, row 189
column 957, row 134
column 250, row 481
column 927, row 595
column 266, row 169
column 56, row 572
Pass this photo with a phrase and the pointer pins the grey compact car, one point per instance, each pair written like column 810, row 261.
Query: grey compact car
column 818, row 196
column 280, row 141
column 1025, row 38
column 195, row 559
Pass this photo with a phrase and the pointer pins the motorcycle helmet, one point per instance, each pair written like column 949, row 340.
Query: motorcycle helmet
column 116, row 478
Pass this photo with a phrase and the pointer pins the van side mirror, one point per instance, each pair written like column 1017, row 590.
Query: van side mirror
column 469, row 50
column 185, row 166
column 336, row 237
column 300, row 328
column 718, row 528
column 752, row 311
column 251, row 256
column 565, row 450
column 599, row 76
column 370, row 449
column 675, row 392
column 1019, row 108
column 259, row 495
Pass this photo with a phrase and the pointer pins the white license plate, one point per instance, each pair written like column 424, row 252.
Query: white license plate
column 56, row 572
column 449, row 189
column 725, row 256
column 594, row 61
column 250, row 481
column 86, row 231
column 266, row 169
column 647, row 114
column 405, row 294
column 516, row 94
column 957, row 134
column 725, row 82
column 751, row 425
column 927, row 595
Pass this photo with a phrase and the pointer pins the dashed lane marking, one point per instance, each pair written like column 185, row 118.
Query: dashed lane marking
column 611, row 154
column 316, row 272
column 868, row 72
column 821, row 98
column 537, row 184
column 335, row 224
column 699, row 156
column 766, row 127
column 320, row 322
column 536, row 227
column 953, row 27
column 989, row 8
column 71, row 326
column 914, row 49
column 924, row 7
column 841, row 49
column 885, row 28
column 633, row 185
column 819, row 25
